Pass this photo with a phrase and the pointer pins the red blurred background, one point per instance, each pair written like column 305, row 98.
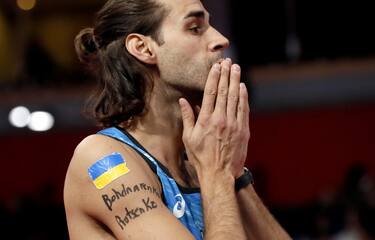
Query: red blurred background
column 310, row 68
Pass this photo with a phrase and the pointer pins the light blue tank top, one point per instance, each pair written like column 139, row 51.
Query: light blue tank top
column 183, row 203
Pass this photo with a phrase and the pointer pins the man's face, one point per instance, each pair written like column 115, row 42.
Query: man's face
column 191, row 46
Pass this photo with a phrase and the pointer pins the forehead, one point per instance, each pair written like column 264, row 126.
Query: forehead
column 179, row 9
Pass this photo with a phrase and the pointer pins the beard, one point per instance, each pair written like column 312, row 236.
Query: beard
column 184, row 74
column 188, row 77
column 192, row 81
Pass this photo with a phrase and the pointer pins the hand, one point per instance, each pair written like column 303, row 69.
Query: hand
column 218, row 140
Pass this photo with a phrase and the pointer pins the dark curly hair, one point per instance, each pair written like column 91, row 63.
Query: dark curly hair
column 122, row 79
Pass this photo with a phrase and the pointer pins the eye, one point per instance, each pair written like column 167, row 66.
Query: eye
column 195, row 29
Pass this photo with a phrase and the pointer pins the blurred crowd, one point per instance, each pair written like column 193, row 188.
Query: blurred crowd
column 345, row 214
column 37, row 216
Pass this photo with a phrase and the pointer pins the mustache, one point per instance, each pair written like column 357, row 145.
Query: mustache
column 217, row 59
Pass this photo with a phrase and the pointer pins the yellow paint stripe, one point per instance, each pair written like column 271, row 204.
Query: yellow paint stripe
column 112, row 174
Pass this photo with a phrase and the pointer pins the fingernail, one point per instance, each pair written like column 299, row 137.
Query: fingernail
column 180, row 101
column 236, row 67
column 216, row 66
column 243, row 86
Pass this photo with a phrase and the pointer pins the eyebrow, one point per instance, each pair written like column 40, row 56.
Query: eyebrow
column 195, row 14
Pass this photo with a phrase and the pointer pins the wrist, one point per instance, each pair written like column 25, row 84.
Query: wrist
column 218, row 178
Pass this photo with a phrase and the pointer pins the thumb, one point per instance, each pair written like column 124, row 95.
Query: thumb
column 187, row 114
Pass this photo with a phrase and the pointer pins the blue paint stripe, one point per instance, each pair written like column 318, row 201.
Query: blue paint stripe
column 104, row 164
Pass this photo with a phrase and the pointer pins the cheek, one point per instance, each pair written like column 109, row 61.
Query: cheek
column 184, row 42
column 181, row 59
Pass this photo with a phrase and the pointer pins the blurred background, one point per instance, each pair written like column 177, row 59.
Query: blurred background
column 310, row 67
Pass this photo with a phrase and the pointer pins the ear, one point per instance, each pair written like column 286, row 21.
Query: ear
column 140, row 47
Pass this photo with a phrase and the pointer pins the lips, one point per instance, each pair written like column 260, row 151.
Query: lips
column 220, row 60
column 217, row 61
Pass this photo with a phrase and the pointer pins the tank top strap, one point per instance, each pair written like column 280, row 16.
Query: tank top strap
column 120, row 135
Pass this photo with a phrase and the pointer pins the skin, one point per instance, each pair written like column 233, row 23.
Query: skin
column 215, row 141
column 194, row 53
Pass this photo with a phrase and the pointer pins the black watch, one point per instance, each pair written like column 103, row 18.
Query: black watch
column 245, row 179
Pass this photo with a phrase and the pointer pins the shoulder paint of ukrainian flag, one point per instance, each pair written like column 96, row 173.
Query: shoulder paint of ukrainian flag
column 107, row 169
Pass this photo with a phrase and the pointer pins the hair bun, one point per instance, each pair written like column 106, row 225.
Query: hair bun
column 86, row 46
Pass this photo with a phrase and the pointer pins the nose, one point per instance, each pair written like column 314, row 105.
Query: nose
column 218, row 41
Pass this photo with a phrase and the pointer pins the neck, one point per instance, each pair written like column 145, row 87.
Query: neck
column 159, row 130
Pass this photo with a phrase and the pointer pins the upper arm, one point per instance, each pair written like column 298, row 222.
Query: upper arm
column 127, row 207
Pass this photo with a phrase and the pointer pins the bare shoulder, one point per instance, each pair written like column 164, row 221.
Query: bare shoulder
column 89, row 170
column 111, row 193
column 101, row 167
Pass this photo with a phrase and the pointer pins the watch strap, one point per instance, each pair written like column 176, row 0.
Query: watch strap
column 245, row 179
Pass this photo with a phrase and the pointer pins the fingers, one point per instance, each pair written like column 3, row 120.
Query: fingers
column 222, row 89
column 233, row 94
column 243, row 108
column 210, row 90
column 188, row 119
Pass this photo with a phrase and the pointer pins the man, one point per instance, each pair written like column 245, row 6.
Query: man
column 163, row 170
